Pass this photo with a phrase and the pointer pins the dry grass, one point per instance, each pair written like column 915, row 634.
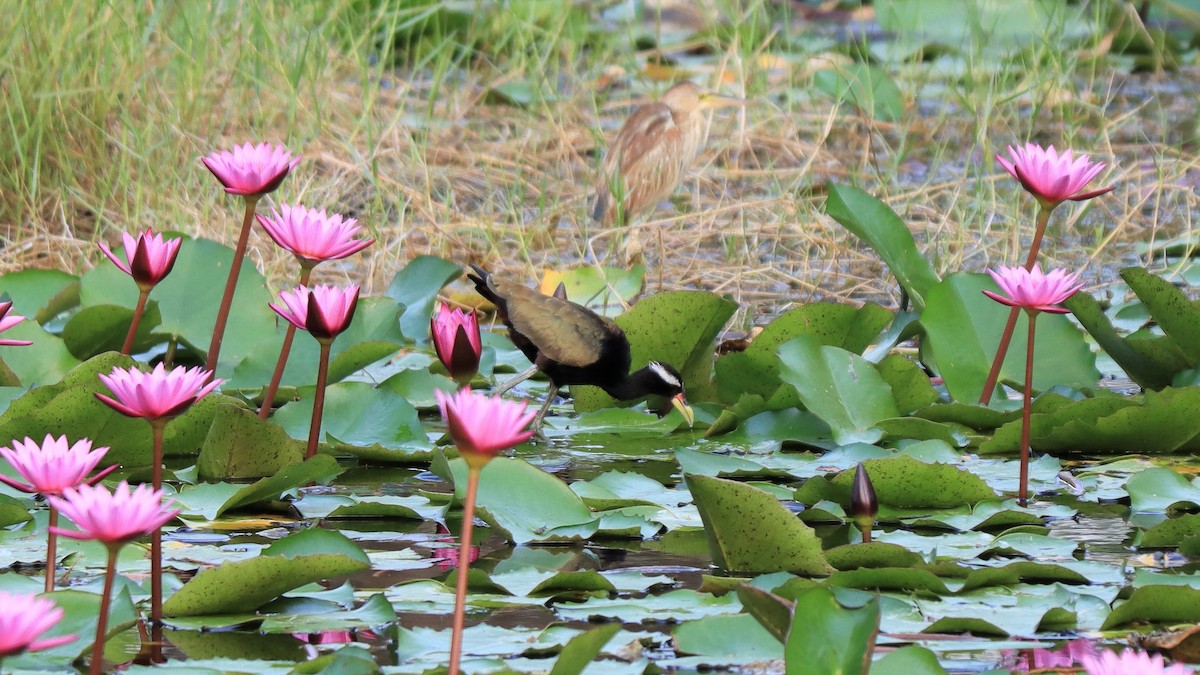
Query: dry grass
column 106, row 116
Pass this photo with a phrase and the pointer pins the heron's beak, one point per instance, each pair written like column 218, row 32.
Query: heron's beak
column 684, row 409
column 718, row 101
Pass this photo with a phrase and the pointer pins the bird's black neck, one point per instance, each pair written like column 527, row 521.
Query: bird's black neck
column 637, row 384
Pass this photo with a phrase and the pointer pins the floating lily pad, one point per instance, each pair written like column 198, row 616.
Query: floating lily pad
column 730, row 638
column 748, row 530
column 1158, row 422
column 1160, row 490
column 239, row 445
column 841, row 388
column 359, row 418
column 525, row 503
column 236, row 587
column 756, row 370
column 905, row 483
column 1170, row 533
column 829, row 637
column 871, row 554
column 963, row 328
column 1156, row 604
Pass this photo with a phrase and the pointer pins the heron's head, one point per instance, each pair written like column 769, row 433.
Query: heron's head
column 688, row 97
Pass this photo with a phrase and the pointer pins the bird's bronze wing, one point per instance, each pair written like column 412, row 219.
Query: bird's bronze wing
column 562, row 330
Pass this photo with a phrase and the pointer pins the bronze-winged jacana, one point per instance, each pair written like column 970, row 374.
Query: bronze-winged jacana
column 653, row 151
column 573, row 345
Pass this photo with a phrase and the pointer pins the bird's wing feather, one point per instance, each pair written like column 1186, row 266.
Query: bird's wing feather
column 562, row 330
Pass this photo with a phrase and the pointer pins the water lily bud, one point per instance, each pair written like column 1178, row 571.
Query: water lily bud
column 863, row 503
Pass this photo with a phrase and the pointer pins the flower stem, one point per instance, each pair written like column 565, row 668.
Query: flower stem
column 156, row 598
column 866, row 534
column 169, row 357
column 284, row 351
column 464, row 565
column 235, row 268
column 1026, row 412
column 989, row 385
column 314, row 429
column 102, row 621
column 137, row 318
column 51, row 550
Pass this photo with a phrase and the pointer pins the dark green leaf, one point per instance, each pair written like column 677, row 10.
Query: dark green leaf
column 880, row 228
column 748, row 530
column 828, row 638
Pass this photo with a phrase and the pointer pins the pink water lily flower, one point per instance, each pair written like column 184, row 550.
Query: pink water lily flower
column 457, row 342
column 313, row 236
column 158, row 394
column 8, row 321
column 113, row 518
column 54, row 465
column 23, row 619
column 481, row 426
column 150, row 257
column 1033, row 291
column 1130, row 662
column 1053, row 177
column 249, row 169
column 324, row 311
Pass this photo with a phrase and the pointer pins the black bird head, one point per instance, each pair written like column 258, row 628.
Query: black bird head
column 661, row 379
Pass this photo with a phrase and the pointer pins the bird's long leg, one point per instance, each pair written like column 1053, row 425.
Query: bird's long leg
column 536, row 426
column 520, row 377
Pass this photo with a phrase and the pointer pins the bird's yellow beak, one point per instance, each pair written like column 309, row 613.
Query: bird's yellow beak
column 684, row 409
column 711, row 100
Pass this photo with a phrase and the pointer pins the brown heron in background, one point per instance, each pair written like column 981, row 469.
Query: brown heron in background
column 652, row 152
column 571, row 344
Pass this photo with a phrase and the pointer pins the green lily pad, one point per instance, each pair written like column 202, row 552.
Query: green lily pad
column 678, row 328
column 525, row 503
column 583, row 649
column 44, row 362
column 771, row 611
column 879, row 227
column 357, row 415
column 730, row 638
column 1158, row 490
column 841, row 388
column 748, row 530
column 239, row 445
column 904, row 482
column 829, row 637
column 1021, row 572
column 237, row 587
column 40, row 294
column 373, row 613
column 1169, row 533
column 890, row 579
column 963, row 328
column 871, row 554
column 415, row 287
column 908, row 661
column 71, row 404
column 1159, row 422
column 103, row 328
column 1156, row 604
column 911, row 387
column 756, row 370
